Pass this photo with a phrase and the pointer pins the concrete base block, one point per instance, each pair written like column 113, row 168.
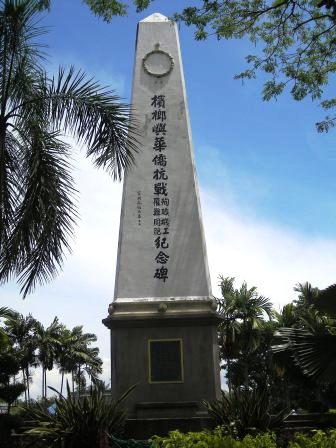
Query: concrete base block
column 195, row 377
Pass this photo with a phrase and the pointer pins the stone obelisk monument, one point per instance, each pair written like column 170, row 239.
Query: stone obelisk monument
column 163, row 317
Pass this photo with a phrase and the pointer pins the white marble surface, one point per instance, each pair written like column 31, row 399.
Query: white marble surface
column 185, row 257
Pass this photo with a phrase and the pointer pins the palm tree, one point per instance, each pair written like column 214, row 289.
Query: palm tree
column 37, row 211
column 21, row 331
column 76, row 355
column 47, row 340
column 313, row 351
column 228, row 329
column 93, row 365
column 312, row 344
column 325, row 301
column 243, row 311
column 306, row 294
column 10, row 389
column 5, row 313
column 84, row 355
column 63, row 356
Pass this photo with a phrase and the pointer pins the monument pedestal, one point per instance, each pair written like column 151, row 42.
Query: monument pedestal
column 169, row 349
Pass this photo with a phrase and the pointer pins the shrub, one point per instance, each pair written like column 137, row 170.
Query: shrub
column 83, row 423
column 320, row 439
column 243, row 412
column 213, row 439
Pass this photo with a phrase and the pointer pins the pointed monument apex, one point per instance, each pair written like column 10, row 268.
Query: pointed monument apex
column 156, row 17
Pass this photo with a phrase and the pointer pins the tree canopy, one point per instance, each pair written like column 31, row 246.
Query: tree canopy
column 288, row 353
column 105, row 9
column 27, row 344
column 295, row 40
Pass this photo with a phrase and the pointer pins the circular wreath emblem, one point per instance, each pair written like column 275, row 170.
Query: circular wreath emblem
column 158, row 63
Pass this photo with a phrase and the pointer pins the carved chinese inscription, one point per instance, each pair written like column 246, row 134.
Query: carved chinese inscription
column 160, row 188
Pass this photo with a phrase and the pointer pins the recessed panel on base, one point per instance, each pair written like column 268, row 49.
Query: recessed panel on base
column 165, row 360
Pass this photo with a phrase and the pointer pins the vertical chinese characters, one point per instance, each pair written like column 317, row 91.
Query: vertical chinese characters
column 161, row 201
column 139, row 206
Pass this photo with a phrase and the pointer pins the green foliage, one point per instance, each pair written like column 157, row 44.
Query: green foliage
column 29, row 344
column 326, row 298
column 296, row 42
column 314, row 352
column 76, row 357
column 81, row 422
column 5, row 313
column 9, row 368
column 311, row 339
column 218, row 439
column 290, row 371
column 213, row 439
column 241, row 332
column 242, row 412
column 10, row 392
column 320, row 439
column 37, row 192
column 105, row 9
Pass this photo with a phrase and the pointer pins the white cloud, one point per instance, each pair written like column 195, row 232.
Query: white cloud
column 272, row 258
column 82, row 291
column 269, row 257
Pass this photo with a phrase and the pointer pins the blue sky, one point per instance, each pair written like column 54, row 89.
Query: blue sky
column 266, row 177
column 273, row 144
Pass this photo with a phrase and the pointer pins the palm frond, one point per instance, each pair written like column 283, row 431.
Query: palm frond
column 45, row 218
column 9, row 181
column 7, row 313
column 314, row 353
column 37, row 211
column 95, row 116
column 226, row 285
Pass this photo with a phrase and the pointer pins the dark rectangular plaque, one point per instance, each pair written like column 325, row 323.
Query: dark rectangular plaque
column 165, row 361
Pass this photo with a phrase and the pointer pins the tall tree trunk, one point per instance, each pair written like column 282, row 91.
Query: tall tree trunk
column 28, row 391
column 14, row 382
column 45, row 384
column 79, row 380
column 24, row 383
column 62, row 380
column 42, row 382
column 244, row 354
column 246, row 376
column 228, row 366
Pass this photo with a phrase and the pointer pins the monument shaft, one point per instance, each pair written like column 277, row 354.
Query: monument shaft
column 161, row 245
column 163, row 318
